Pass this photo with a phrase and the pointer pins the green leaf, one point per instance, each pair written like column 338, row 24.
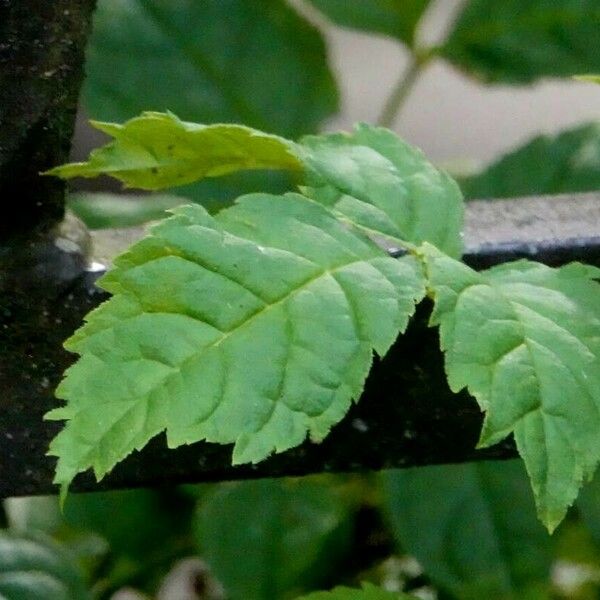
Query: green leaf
column 518, row 42
column 35, row 568
column 472, row 527
column 525, row 340
column 136, row 523
column 587, row 78
column 588, row 506
column 99, row 211
column 276, row 281
column 157, row 150
column 370, row 178
column 264, row 539
column 257, row 63
column 216, row 194
column 395, row 18
column 548, row 164
column 368, row 592
column 132, row 535
column 381, row 183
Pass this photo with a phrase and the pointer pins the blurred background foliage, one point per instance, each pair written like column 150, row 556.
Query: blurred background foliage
column 457, row 532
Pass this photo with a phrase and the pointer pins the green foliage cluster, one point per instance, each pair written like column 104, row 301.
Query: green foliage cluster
column 304, row 284
column 286, row 279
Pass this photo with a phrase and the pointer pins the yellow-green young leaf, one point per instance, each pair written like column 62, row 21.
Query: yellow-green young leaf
column 370, row 178
column 379, row 182
column 396, row 18
column 254, row 327
column 33, row 567
column 367, row 592
column 525, row 340
column 588, row 78
column 158, row 150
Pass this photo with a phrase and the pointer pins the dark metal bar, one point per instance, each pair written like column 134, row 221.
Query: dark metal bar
column 42, row 257
column 42, row 46
column 407, row 415
column 554, row 230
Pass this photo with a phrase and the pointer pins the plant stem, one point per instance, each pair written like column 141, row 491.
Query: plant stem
column 400, row 92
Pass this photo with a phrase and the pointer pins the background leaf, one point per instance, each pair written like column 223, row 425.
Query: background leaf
column 368, row 592
column 472, row 527
column 148, row 522
column 124, row 537
column 278, row 279
column 525, row 340
column 396, row 18
column 518, row 42
column 35, row 568
column 100, row 211
column 588, row 505
column 257, row 63
column 266, row 539
column 548, row 164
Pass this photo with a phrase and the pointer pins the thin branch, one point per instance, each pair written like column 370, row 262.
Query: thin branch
column 400, row 92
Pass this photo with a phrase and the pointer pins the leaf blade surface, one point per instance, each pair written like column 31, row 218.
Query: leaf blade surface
column 395, row 18
column 367, row 592
column 158, row 150
column 558, row 164
column 381, row 183
column 519, row 42
column 258, row 63
column 525, row 340
column 221, row 328
column 472, row 527
column 291, row 526
column 32, row 567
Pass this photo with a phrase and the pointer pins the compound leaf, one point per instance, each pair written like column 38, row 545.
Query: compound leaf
column 525, row 340
column 518, row 42
column 368, row 592
column 158, row 150
column 258, row 63
column 35, row 568
column 292, row 526
column 548, row 164
column 395, row 18
column 254, row 327
column 472, row 527
column 381, row 183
